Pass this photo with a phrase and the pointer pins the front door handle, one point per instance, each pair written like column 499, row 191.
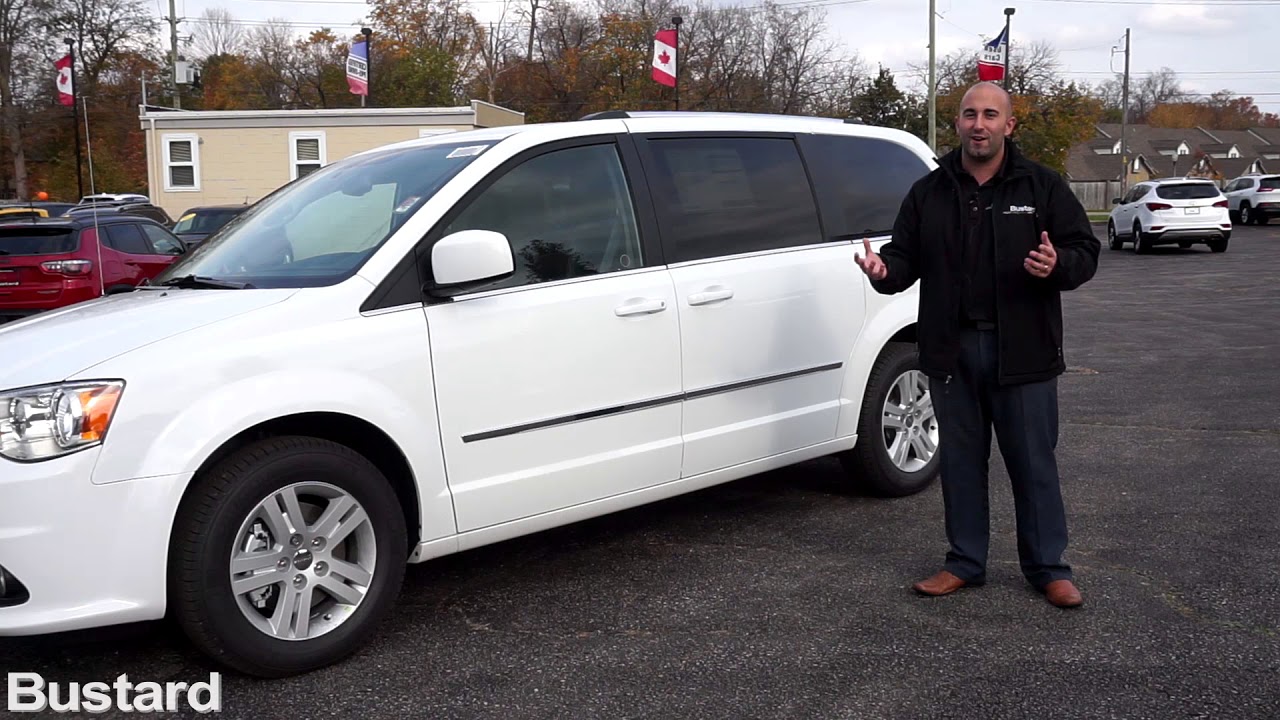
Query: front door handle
column 640, row 307
column 710, row 295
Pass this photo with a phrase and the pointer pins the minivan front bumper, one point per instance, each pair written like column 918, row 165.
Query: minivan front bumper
column 86, row 555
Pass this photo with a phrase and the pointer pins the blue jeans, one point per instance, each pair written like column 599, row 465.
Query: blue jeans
column 1025, row 420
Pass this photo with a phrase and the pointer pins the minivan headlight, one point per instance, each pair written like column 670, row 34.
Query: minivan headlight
column 45, row 422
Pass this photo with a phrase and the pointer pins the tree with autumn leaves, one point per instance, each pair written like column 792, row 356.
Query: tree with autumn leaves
column 555, row 60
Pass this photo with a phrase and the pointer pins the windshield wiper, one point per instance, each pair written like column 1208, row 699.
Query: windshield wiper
column 201, row 282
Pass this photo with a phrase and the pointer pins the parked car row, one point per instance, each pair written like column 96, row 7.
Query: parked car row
column 1188, row 210
column 103, row 245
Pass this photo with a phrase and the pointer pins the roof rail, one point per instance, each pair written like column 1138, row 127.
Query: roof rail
column 630, row 114
column 606, row 115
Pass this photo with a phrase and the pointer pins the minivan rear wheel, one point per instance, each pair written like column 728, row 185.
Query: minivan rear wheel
column 898, row 441
column 286, row 555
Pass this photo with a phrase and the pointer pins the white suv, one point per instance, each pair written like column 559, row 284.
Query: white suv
column 446, row 343
column 1254, row 199
column 1170, row 210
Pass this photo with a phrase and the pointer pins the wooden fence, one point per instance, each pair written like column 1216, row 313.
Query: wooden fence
column 1096, row 195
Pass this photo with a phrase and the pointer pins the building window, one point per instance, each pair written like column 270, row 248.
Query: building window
column 306, row 153
column 181, row 163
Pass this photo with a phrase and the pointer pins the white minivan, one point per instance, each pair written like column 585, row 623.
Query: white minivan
column 446, row 343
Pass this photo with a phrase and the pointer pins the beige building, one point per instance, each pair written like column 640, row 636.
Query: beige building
column 229, row 157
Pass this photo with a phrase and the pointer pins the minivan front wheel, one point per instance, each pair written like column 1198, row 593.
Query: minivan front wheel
column 898, row 439
column 286, row 555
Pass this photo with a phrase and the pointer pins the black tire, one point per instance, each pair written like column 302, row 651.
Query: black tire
column 868, row 464
column 1113, row 238
column 1247, row 215
column 1218, row 245
column 1184, row 244
column 1140, row 244
column 207, row 528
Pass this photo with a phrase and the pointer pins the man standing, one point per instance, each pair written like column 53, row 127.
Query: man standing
column 994, row 239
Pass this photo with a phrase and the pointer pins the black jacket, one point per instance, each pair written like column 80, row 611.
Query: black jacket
column 927, row 246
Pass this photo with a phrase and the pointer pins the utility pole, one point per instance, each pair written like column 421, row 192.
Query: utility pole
column 1124, row 118
column 173, row 45
column 933, row 77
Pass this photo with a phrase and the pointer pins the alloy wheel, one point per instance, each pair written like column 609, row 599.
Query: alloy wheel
column 303, row 561
column 909, row 423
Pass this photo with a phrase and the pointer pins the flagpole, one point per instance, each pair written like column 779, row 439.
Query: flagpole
column 368, row 66
column 1008, row 45
column 679, row 61
column 75, row 121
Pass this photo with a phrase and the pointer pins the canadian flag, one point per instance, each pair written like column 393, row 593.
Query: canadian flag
column 664, row 57
column 66, row 93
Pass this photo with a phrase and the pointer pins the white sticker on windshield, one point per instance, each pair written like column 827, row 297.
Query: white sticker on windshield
column 468, row 151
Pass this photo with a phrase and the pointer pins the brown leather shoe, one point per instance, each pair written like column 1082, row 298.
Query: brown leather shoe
column 1063, row 594
column 943, row 583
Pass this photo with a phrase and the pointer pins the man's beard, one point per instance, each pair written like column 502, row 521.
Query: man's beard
column 992, row 150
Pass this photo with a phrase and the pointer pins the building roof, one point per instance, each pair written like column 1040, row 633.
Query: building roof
column 1156, row 146
column 1085, row 164
column 318, row 117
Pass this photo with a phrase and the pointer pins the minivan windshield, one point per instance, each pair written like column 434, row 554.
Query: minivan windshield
column 319, row 229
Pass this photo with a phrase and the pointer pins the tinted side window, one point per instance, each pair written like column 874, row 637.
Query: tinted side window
column 162, row 242
column 862, row 181
column 724, row 196
column 567, row 214
column 127, row 238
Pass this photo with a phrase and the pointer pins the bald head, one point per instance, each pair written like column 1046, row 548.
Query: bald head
column 985, row 120
column 986, row 94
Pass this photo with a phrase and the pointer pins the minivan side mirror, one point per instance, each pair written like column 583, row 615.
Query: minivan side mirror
column 469, row 258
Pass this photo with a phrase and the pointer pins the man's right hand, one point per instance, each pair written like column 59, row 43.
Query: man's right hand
column 872, row 265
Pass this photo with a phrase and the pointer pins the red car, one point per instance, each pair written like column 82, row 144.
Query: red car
column 51, row 263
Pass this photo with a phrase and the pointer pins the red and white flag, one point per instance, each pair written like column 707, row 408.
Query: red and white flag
column 664, row 57
column 991, row 60
column 66, row 93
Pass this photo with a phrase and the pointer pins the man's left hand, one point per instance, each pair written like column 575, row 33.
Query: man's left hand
column 1040, row 263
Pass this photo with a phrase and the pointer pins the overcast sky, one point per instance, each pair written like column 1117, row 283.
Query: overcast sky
column 1213, row 44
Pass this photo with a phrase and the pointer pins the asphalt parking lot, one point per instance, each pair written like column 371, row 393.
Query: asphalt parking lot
column 784, row 596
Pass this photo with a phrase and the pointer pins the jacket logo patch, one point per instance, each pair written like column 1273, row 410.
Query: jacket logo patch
column 1021, row 210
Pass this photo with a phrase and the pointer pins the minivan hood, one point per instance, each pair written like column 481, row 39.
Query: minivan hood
column 55, row 345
